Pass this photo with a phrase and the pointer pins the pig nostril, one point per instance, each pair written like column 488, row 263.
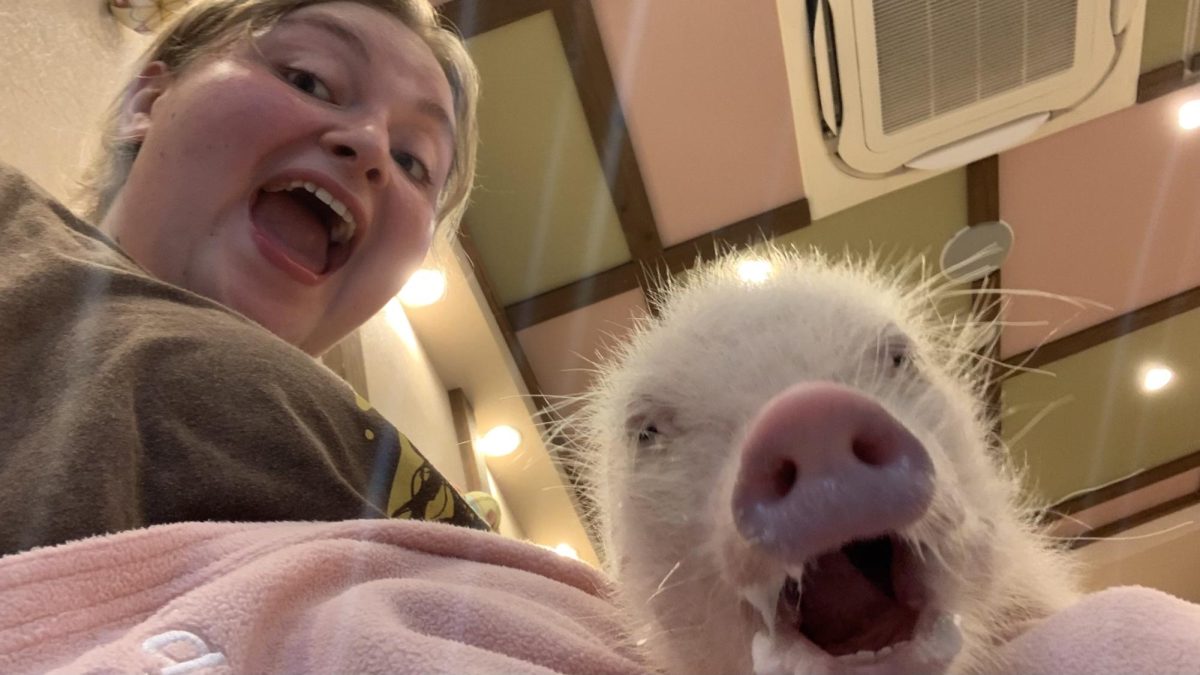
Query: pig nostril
column 870, row 453
column 784, row 478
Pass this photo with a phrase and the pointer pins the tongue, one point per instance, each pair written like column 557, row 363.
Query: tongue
column 293, row 226
column 843, row 612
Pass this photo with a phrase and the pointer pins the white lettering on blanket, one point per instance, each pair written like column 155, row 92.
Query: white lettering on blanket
column 201, row 655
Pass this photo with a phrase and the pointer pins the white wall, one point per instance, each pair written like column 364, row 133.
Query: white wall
column 61, row 62
column 404, row 387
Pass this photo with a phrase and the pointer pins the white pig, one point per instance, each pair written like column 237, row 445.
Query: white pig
column 799, row 476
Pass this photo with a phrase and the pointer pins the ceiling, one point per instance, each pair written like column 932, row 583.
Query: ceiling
column 621, row 135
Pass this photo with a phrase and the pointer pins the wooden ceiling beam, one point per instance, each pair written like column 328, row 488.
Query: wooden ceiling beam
column 748, row 231
column 626, row 277
column 1133, row 520
column 597, row 92
column 1167, row 79
column 1112, row 329
column 983, row 206
column 474, row 17
column 1123, row 487
column 573, row 296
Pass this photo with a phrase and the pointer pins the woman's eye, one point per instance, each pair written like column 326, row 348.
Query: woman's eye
column 412, row 166
column 309, row 84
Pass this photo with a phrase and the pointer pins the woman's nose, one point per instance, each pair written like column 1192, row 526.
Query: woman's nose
column 364, row 146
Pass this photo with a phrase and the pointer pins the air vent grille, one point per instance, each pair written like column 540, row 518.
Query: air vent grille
column 936, row 56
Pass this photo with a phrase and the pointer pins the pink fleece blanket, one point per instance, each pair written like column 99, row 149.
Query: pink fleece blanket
column 414, row 597
column 350, row 597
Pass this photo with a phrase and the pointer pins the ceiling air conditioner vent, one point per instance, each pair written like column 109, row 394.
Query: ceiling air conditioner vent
column 889, row 92
column 936, row 57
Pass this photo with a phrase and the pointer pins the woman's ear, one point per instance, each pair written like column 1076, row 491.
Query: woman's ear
column 139, row 100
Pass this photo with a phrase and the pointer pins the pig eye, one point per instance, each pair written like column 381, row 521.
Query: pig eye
column 648, row 434
column 895, row 352
column 647, row 430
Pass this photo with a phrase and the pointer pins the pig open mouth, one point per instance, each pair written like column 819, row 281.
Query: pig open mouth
column 862, row 604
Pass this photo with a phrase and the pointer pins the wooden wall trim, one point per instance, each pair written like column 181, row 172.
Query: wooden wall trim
column 463, row 414
column 474, row 17
column 1108, row 330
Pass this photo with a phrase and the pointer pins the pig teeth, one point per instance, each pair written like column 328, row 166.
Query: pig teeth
column 867, row 656
column 762, row 597
column 342, row 231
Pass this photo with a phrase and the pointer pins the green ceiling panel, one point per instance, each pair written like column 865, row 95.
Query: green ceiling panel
column 542, row 215
column 1162, row 41
column 917, row 220
column 1103, row 427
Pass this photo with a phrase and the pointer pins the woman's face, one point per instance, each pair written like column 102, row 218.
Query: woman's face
column 295, row 179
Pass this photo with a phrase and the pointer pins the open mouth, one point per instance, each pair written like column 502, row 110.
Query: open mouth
column 864, row 602
column 864, row 597
column 303, row 228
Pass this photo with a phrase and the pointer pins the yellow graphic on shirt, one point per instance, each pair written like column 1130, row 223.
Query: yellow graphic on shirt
column 418, row 491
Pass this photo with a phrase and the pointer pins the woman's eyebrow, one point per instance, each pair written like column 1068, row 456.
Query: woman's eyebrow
column 336, row 28
column 434, row 110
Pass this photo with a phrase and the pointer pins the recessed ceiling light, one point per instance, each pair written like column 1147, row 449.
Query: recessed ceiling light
column 1157, row 377
column 754, row 271
column 500, row 441
column 567, row 551
column 425, row 287
column 1189, row 115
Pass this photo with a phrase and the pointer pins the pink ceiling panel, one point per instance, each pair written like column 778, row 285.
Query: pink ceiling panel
column 1108, row 211
column 561, row 350
column 705, row 96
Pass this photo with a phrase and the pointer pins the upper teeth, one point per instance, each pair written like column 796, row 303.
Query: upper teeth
column 343, row 230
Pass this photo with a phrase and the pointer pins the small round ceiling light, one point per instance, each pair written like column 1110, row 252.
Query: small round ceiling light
column 424, row 287
column 500, row 441
column 754, row 271
column 1189, row 115
column 976, row 251
column 567, row 551
column 1155, row 378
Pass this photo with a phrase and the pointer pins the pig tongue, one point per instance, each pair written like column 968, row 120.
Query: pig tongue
column 293, row 225
column 845, row 609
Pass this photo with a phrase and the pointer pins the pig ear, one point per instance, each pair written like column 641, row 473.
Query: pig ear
column 137, row 106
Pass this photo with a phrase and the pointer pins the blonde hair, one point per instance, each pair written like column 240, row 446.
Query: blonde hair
column 210, row 25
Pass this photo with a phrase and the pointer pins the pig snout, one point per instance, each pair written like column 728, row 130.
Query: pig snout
column 823, row 464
